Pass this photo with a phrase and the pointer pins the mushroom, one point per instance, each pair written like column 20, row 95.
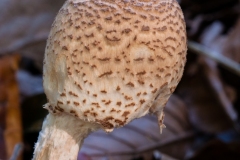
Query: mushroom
column 106, row 63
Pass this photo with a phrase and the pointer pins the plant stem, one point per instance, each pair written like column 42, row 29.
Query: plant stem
column 61, row 137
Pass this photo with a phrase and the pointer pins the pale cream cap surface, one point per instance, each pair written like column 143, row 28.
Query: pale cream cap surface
column 109, row 61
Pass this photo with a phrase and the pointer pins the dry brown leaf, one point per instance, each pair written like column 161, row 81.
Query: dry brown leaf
column 25, row 26
column 202, row 91
column 232, row 48
column 141, row 137
column 9, row 88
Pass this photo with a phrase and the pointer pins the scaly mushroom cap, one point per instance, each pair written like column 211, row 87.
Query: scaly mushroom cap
column 108, row 61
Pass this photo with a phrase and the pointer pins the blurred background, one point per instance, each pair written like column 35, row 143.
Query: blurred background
column 202, row 116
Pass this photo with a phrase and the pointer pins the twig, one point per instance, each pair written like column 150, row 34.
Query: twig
column 222, row 60
column 17, row 151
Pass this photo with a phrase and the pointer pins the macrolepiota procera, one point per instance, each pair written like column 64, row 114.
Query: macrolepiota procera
column 106, row 63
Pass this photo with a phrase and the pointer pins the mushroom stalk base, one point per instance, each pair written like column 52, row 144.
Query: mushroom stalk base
column 61, row 137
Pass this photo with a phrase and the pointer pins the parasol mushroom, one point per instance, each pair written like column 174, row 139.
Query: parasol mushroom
column 106, row 63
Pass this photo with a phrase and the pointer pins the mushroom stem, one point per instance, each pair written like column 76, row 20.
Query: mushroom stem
column 61, row 137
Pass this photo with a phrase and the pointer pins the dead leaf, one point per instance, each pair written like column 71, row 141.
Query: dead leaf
column 142, row 136
column 232, row 43
column 203, row 98
column 9, row 88
column 25, row 26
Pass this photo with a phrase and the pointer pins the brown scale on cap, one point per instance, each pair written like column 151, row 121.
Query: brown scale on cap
column 130, row 53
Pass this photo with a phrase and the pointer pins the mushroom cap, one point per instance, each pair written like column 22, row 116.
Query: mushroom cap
column 108, row 61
